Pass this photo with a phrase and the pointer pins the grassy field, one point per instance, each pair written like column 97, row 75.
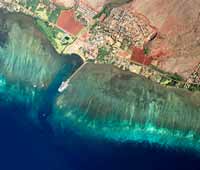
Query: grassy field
column 54, row 15
column 33, row 4
column 116, row 3
column 109, row 6
column 49, row 31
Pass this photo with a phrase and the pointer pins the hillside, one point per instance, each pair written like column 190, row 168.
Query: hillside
column 178, row 23
column 94, row 4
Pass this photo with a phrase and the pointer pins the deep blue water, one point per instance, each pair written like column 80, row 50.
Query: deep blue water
column 25, row 146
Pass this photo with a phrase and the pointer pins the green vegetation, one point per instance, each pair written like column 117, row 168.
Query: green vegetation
column 194, row 87
column 79, row 16
column 46, row 1
column 109, row 6
column 32, row 3
column 54, row 15
column 49, row 31
column 126, row 43
column 102, row 53
column 106, row 10
column 94, row 25
column 146, row 50
column 176, row 77
column 57, row 37
column 175, row 80
column 157, row 69
column 117, row 3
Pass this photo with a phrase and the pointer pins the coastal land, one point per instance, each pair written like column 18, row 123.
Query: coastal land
column 113, row 32
column 110, row 96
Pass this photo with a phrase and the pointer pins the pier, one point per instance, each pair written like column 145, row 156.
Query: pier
column 65, row 84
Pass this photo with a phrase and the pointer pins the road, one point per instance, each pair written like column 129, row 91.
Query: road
column 65, row 84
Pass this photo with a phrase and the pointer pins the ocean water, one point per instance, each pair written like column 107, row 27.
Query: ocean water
column 120, row 106
column 32, row 134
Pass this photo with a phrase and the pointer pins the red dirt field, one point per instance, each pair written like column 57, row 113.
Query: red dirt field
column 67, row 22
column 177, row 48
column 139, row 56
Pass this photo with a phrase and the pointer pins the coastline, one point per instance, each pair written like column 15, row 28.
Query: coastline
column 165, row 79
column 95, row 120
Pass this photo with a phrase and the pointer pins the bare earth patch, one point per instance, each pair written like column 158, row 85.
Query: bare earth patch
column 178, row 23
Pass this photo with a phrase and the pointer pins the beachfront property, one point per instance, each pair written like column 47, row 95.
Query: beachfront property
column 112, row 43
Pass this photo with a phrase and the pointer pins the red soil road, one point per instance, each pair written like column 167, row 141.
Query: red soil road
column 67, row 22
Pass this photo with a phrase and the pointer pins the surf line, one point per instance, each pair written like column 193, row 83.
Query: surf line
column 65, row 84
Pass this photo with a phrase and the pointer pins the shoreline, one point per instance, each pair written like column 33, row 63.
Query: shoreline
column 66, row 83
column 119, row 106
column 145, row 71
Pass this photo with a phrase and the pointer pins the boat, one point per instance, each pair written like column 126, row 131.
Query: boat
column 63, row 86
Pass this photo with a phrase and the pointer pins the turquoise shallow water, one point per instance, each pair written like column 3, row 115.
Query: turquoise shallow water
column 31, row 71
column 106, row 119
column 119, row 106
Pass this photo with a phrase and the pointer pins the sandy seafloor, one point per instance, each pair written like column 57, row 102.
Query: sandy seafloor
column 30, row 139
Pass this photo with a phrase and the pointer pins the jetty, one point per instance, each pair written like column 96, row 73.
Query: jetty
column 65, row 84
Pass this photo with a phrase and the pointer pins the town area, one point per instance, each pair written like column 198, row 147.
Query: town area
column 102, row 33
